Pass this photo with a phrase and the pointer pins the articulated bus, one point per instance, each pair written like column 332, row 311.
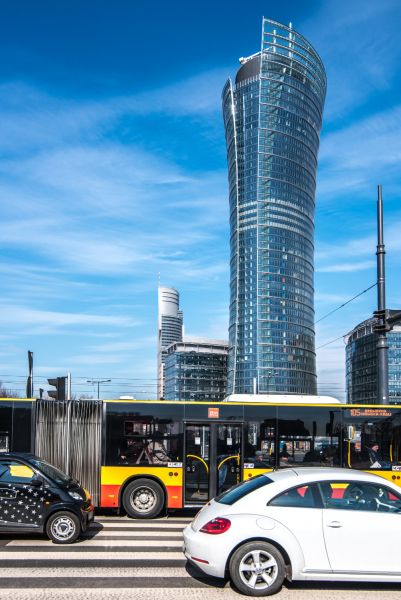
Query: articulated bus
column 178, row 454
column 144, row 457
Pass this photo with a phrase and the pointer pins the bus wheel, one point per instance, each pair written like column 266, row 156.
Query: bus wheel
column 143, row 499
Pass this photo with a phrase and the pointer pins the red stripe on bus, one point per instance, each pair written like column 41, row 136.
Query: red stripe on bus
column 109, row 496
column 174, row 496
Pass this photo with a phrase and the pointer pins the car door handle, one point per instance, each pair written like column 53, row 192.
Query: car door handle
column 334, row 524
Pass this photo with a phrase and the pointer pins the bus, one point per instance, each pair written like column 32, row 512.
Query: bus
column 16, row 425
column 143, row 457
column 181, row 454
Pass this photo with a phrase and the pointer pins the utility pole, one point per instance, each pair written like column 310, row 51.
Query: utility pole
column 98, row 382
column 29, row 382
column 382, row 345
column 68, row 386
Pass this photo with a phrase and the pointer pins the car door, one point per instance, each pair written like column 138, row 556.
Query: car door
column 362, row 527
column 299, row 509
column 21, row 495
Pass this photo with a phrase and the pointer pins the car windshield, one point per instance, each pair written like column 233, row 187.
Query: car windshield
column 243, row 489
column 52, row 472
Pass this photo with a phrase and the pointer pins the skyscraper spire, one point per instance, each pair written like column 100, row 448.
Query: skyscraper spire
column 273, row 116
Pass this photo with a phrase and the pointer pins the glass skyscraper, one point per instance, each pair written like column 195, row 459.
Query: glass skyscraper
column 273, row 116
column 361, row 364
column 196, row 369
column 169, row 329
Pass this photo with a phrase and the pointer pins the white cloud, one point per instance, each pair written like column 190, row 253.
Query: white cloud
column 144, row 341
column 347, row 267
column 30, row 118
column 196, row 95
column 359, row 63
column 31, row 318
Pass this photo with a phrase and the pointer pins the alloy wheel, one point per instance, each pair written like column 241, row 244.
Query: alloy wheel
column 258, row 570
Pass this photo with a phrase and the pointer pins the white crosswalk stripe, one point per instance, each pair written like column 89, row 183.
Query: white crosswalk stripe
column 123, row 559
column 114, row 553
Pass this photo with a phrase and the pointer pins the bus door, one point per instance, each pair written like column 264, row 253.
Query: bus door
column 229, row 456
column 212, row 460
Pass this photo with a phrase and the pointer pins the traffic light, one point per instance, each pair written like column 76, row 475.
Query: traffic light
column 386, row 319
column 59, row 392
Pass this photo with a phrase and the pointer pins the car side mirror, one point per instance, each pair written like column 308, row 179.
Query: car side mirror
column 36, row 481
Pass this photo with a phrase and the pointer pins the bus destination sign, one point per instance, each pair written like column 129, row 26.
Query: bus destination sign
column 213, row 413
column 369, row 412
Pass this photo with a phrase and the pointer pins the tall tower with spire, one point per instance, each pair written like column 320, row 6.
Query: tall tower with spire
column 170, row 329
column 272, row 117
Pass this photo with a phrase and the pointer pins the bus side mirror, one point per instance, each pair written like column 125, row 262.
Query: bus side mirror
column 36, row 481
column 350, row 432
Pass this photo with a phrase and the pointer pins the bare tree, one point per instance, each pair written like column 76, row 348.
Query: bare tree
column 6, row 393
column 81, row 397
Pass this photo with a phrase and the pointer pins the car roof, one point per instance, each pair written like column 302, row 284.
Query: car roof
column 304, row 474
column 23, row 455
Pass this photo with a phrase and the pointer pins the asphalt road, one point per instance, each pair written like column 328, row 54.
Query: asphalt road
column 122, row 559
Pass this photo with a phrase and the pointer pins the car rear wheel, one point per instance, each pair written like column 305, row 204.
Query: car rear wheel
column 143, row 499
column 257, row 569
column 63, row 528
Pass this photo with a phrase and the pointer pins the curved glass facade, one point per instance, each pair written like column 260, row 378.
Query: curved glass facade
column 361, row 364
column 170, row 324
column 272, row 118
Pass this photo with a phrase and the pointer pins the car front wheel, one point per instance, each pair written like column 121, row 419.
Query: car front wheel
column 63, row 528
column 257, row 569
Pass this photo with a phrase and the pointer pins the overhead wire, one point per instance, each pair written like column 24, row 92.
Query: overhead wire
column 345, row 303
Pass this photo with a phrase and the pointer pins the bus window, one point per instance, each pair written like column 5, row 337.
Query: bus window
column 5, row 426
column 395, row 446
column 143, row 439
column 146, row 442
column 309, row 437
column 22, row 416
column 371, row 438
column 259, row 443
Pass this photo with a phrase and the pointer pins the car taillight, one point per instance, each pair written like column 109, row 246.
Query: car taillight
column 215, row 526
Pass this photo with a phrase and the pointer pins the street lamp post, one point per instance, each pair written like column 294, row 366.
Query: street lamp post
column 382, row 345
column 98, row 382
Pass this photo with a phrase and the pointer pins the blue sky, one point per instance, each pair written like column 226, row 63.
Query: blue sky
column 113, row 169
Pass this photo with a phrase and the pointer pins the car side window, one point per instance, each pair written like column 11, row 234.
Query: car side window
column 15, row 472
column 303, row 496
column 355, row 495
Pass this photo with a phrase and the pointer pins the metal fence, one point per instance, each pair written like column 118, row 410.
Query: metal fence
column 69, row 435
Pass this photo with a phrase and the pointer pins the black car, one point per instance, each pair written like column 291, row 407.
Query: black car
column 37, row 497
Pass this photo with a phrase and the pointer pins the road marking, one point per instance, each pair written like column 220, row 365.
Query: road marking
column 95, row 544
column 148, row 526
column 59, row 553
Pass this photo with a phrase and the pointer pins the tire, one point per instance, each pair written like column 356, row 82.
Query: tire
column 249, row 575
column 143, row 499
column 63, row 528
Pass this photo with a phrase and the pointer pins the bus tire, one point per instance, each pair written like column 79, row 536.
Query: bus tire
column 143, row 499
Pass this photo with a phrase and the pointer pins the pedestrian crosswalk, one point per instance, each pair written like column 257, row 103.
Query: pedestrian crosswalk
column 123, row 559
column 115, row 553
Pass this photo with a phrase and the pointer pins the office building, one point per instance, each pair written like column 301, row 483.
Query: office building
column 196, row 369
column 272, row 117
column 170, row 327
column 361, row 364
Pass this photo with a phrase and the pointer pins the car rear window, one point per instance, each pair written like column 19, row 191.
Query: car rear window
column 243, row 489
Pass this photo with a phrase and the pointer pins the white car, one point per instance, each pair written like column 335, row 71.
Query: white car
column 300, row 524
